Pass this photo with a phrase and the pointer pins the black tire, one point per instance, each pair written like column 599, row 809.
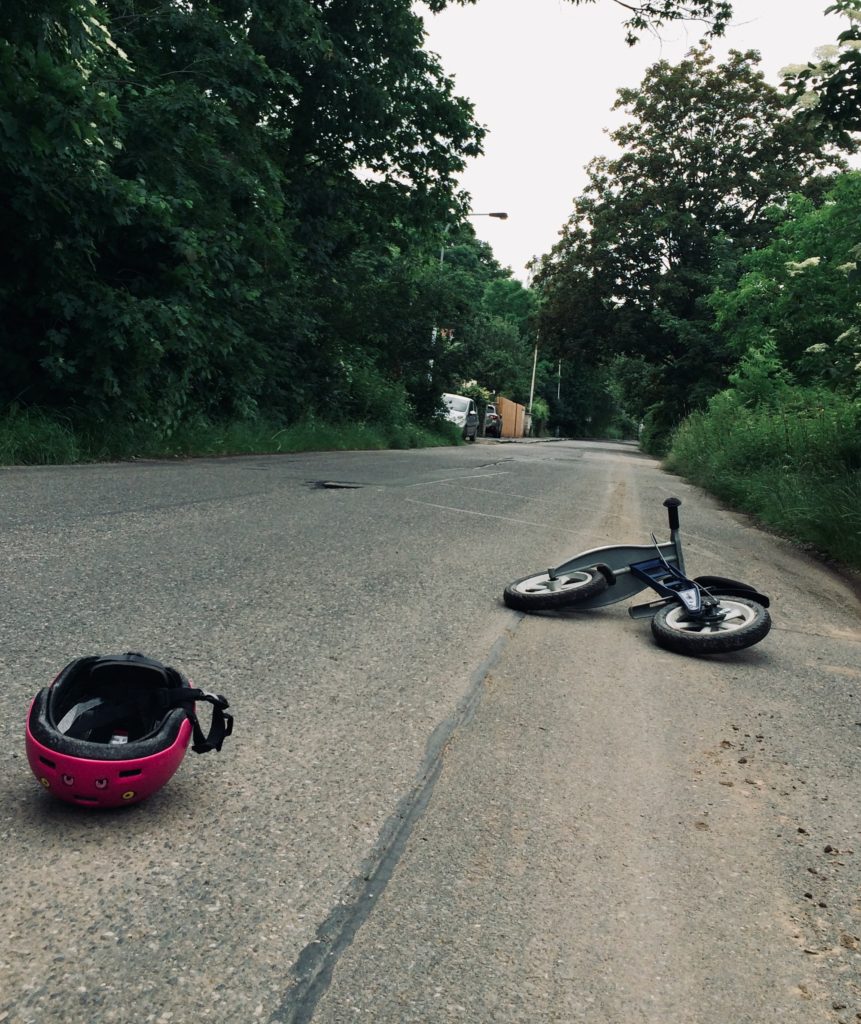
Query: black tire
column 537, row 592
column 745, row 624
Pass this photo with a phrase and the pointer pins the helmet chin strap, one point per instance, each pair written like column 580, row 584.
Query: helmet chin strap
column 105, row 713
column 221, row 725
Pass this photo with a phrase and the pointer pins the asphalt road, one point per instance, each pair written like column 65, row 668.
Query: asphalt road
column 433, row 808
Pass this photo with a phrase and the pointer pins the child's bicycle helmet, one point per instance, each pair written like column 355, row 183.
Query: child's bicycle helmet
column 110, row 731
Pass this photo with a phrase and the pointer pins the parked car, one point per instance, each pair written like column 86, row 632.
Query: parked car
column 492, row 421
column 463, row 412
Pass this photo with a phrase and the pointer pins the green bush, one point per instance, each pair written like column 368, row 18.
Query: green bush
column 31, row 437
column 794, row 464
column 35, row 438
column 656, row 435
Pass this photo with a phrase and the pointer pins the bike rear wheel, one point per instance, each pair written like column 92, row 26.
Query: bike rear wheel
column 540, row 592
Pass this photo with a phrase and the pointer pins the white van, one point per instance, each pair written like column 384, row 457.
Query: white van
column 463, row 412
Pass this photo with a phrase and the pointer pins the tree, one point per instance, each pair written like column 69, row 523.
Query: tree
column 60, row 127
column 800, row 293
column 201, row 191
column 707, row 151
column 500, row 338
column 216, row 204
column 485, row 317
column 827, row 90
column 651, row 15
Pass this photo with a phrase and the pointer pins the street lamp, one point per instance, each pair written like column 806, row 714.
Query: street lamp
column 498, row 214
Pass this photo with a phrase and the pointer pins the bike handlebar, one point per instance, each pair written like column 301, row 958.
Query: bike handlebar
column 672, row 507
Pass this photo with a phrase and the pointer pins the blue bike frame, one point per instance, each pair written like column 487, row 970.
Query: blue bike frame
column 630, row 568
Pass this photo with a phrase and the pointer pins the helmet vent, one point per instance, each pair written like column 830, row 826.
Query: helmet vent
column 86, row 799
column 49, row 763
column 129, row 772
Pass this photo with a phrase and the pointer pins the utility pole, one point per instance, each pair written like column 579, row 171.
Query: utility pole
column 532, row 386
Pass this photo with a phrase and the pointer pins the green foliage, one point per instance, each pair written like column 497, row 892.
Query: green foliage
column 34, row 437
column 30, row 437
column 761, row 379
column 795, row 464
column 59, row 126
column 827, row 89
column 499, row 356
column 484, row 320
column 708, row 154
column 634, row 384
column 475, row 391
column 651, row 15
column 224, row 211
column 208, row 201
column 500, row 350
column 584, row 401
column 801, row 291
column 540, row 415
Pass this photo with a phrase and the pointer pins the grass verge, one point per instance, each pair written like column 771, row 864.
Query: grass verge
column 31, row 437
column 796, row 468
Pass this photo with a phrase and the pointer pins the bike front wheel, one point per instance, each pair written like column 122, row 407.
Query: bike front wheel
column 539, row 592
column 739, row 623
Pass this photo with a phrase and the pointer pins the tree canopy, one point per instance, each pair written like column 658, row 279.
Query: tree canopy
column 798, row 296
column 200, row 192
column 649, row 15
column 708, row 151
column 237, row 205
column 827, row 90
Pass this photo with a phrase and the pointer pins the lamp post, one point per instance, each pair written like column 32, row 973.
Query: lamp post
column 498, row 214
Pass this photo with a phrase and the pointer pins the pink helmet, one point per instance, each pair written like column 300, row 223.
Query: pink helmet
column 110, row 731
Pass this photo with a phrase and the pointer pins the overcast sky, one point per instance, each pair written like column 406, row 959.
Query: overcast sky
column 543, row 76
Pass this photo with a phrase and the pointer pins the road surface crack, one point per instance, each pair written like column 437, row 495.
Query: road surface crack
column 313, row 968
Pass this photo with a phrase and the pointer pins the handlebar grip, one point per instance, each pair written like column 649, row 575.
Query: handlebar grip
column 672, row 507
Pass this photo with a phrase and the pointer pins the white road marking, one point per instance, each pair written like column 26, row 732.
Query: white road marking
column 487, row 515
column 508, row 494
column 454, row 479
